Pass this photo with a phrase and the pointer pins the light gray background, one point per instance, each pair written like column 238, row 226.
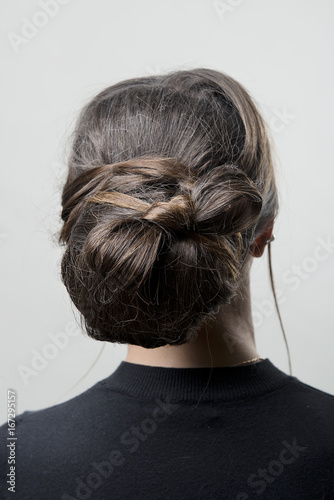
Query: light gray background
column 281, row 51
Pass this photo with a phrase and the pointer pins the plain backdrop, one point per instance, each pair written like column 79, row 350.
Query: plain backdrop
column 55, row 56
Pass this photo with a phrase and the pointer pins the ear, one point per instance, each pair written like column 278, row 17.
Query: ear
column 257, row 247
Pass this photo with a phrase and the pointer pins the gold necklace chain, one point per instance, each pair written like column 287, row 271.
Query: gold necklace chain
column 249, row 361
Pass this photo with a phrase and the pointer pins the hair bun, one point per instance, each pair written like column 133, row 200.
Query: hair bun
column 155, row 244
column 114, row 261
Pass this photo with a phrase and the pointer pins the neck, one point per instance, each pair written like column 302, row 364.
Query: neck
column 225, row 340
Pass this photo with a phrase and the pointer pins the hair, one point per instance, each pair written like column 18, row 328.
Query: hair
column 170, row 180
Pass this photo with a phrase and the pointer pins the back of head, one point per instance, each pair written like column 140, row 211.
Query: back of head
column 170, row 180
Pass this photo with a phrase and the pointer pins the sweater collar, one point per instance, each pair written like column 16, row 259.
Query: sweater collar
column 193, row 384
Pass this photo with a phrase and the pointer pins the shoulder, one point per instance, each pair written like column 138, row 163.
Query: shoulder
column 300, row 405
column 59, row 438
column 298, row 395
column 53, row 428
column 309, row 394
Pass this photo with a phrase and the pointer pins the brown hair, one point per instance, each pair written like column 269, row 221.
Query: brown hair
column 170, row 180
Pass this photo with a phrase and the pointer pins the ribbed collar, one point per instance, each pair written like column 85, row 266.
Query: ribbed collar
column 191, row 384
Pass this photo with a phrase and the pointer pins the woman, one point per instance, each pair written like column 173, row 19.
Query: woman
column 170, row 195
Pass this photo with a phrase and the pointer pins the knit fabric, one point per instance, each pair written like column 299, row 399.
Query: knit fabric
column 225, row 433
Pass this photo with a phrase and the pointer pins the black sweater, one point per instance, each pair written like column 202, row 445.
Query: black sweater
column 230, row 433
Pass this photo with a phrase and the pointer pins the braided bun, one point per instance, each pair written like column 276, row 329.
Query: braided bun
column 156, row 241
column 137, row 259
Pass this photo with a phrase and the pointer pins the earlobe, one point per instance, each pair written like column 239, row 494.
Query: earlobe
column 258, row 246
